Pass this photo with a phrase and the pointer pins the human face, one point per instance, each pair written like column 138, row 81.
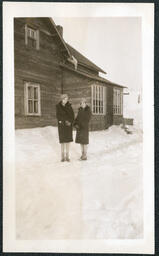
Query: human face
column 65, row 100
column 83, row 104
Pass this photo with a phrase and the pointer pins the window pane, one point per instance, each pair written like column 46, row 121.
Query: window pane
column 28, row 32
column 30, row 106
column 121, row 107
column 94, row 106
column 102, row 99
column 32, row 98
column 99, row 106
column 35, row 93
column 95, row 94
column 114, row 96
column 32, row 37
column 119, row 102
column 35, row 34
column 117, row 106
column 30, row 95
column 95, row 99
column 36, row 106
column 102, row 107
column 99, row 89
column 32, row 42
column 31, row 33
column 98, row 99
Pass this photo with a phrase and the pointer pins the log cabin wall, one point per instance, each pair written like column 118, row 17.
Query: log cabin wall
column 109, row 106
column 87, row 70
column 37, row 66
column 77, row 86
column 83, row 69
column 43, row 66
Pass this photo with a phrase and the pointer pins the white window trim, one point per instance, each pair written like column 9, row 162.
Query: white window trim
column 28, row 28
column 100, row 92
column 35, row 85
column 117, row 102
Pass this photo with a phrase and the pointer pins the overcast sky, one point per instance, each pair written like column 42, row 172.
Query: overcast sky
column 112, row 43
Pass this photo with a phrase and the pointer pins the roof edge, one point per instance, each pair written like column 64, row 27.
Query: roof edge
column 97, row 78
column 82, row 64
column 70, row 55
column 64, row 44
column 97, row 68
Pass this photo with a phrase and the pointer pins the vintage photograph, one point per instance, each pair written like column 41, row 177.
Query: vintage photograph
column 78, row 134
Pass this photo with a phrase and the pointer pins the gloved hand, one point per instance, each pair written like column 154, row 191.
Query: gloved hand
column 67, row 123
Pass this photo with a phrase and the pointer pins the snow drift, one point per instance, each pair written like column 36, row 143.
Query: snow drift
column 100, row 198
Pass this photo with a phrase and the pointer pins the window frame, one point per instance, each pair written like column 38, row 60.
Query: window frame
column 28, row 30
column 117, row 101
column 26, row 99
column 98, row 96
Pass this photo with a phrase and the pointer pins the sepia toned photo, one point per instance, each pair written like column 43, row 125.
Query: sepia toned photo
column 78, row 125
column 94, row 194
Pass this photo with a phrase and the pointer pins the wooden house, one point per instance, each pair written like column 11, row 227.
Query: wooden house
column 46, row 66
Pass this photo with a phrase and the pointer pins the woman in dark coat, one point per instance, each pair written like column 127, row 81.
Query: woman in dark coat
column 65, row 118
column 82, row 125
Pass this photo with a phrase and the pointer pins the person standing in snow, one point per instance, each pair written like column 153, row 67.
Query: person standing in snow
column 65, row 118
column 82, row 125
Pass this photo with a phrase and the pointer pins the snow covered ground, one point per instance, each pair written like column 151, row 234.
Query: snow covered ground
column 100, row 198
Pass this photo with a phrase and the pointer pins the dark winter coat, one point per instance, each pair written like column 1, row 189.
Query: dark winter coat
column 82, row 125
column 65, row 118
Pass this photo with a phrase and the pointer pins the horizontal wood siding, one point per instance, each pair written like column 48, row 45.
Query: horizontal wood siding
column 87, row 70
column 42, row 66
column 98, row 122
column 109, row 116
column 82, row 68
column 49, row 98
column 39, row 66
column 77, row 86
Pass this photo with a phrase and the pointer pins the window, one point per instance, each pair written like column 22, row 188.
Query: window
column 31, row 37
column 117, row 102
column 98, row 100
column 32, row 98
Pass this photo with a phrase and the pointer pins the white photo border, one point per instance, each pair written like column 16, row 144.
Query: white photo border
column 45, row 9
